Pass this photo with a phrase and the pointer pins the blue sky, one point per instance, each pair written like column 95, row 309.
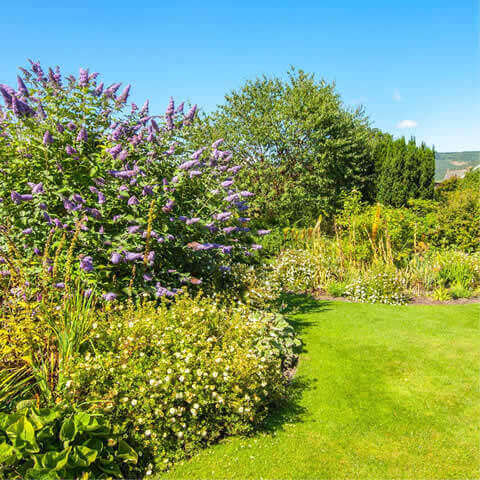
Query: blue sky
column 414, row 65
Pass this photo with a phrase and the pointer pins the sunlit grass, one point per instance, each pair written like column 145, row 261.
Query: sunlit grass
column 383, row 392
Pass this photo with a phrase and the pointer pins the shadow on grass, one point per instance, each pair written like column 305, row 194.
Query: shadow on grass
column 289, row 410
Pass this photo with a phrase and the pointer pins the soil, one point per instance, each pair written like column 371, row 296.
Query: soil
column 413, row 301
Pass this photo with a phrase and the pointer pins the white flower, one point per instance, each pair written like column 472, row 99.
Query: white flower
column 134, row 402
column 196, row 406
column 148, row 433
column 214, row 374
column 172, row 411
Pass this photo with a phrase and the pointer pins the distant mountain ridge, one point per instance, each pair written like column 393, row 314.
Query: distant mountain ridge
column 454, row 161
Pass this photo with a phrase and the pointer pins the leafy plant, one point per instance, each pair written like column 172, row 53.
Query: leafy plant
column 459, row 291
column 441, row 294
column 51, row 443
column 336, row 289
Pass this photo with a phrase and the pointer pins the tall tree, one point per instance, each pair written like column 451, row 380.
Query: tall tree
column 300, row 146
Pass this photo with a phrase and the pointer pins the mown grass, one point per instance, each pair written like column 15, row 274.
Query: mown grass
column 380, row 392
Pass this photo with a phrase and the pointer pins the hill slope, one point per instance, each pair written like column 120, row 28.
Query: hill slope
column 454, row 161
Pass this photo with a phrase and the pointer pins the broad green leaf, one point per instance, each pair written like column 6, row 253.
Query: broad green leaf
column 126, row 452
column 22, row 435
column 55, row 460
column 8, row 454
column 68, row 430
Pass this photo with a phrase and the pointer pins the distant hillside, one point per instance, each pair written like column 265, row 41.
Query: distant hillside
column 454, row 161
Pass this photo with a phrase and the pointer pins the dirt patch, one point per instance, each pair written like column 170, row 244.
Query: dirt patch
column 413, row 301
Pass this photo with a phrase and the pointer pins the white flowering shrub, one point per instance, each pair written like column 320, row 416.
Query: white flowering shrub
column 176, row 377
column 385, row 287
column 294, row 271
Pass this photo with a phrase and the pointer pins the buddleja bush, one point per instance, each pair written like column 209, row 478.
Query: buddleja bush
column 111, row 194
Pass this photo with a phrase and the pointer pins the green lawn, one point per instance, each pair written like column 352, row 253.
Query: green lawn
column 381, row 392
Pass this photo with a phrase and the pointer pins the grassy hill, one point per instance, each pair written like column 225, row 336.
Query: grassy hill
column 454, row 161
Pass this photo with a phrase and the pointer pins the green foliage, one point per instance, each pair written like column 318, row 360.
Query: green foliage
column 175, row 378
column 441, row 294
column 336, row 289
column 459, row 291
column 51, row 443
column 404, row 170
column 301, row 147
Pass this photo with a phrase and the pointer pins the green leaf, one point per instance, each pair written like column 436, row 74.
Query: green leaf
column 22, row 435
column 68, row 430
column 55, row 460
column 9, row 454
column 45, row 416
column 126, row 452
column 94, row 444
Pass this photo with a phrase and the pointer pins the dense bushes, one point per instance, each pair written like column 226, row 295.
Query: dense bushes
column 114, row 196
column 174, row 378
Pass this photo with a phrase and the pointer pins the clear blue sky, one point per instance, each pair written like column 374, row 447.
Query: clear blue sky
column 409, row 62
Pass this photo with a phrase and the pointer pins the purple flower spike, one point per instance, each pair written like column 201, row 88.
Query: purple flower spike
column 133, row 229
column 17, row 198
column 190, row 116
column 115, row 150
column 60, row 127
column 190, row 221
column 263, row 232
column 124, row 95
column 27, row 231
column 70, row 150
column 83, row 77
column 110, row 296
column 99, row 89
column 132, row 256
column 147, row 190
column 116, row 258
column 71, row 126
column 144, row 110
column 60, row 285
column 47, row 138
column 36, row 188
column 217, row 143
column 133, row 200
column 86, row 264
column 6, row 96
column 41, row 112
column 227, row 183
column 82, row 135
column 21, row 87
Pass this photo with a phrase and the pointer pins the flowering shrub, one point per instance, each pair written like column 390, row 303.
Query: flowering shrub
column 175, row 378
column 111, row 194
column 295, row 271
column 378, row 288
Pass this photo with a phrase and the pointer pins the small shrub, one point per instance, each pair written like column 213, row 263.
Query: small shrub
column 441, row 294
column 459, row 291
column 378, row 288
column 176, row 378
column 336, row 289
column 51, row 443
